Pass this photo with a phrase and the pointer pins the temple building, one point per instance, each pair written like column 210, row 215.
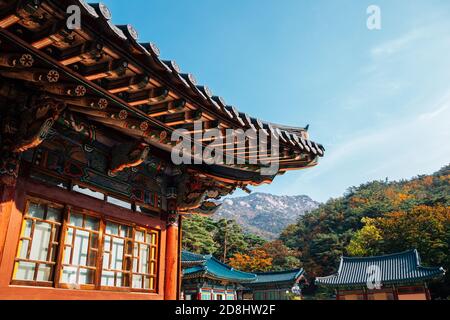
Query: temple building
column 397, row 276
column 276, row 285
column 91, row 198
column 206, row 278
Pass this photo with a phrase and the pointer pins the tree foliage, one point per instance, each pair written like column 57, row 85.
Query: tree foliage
column 223, row 238
column 257, row 260
column 198, row 235
column 226, row 240
column 377, row 218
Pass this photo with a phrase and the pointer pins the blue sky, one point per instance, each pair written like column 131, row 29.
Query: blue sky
column 378, row 100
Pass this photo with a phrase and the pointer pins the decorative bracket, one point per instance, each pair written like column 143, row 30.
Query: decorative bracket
column 128, row 156
column 36, row 124
column 22, row 130
column 172, row 207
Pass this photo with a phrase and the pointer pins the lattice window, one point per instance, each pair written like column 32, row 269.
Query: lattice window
column 129, row 253
column 38, row 244
column 129, row 257
column 145, row 260
column 81, row 245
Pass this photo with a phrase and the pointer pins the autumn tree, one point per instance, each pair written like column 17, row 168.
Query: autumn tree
column 283, row 258
column 366, row 241
column 257, row 260
column 343, row 226
column 424, row 228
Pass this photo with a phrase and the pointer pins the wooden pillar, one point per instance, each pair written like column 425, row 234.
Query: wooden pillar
column 427, row 292
column 180, row 246
column 7, row 203
column 172, row 248
column 395, row 292
column 365, row 294
column 9, row 172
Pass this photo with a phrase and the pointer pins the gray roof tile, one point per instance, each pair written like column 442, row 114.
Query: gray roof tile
column 396, row 268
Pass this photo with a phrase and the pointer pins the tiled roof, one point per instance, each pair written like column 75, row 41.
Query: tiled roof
column 396, row 268
column 191, row 259
column 126, row 86
column 213, row 268
column 283, row 276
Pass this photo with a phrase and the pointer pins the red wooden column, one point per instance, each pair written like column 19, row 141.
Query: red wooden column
column 172, row 248
column 9, row 172
column 7, row 196
column 427, row 291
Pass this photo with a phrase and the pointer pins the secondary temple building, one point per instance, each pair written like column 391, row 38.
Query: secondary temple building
column 90, row 197
column 397, row 276
column 276, row 285
column 206, row 278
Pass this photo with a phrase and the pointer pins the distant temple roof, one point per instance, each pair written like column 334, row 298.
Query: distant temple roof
column 282, row 276
column 209, row 267
column 396, row 268
column 189, row 259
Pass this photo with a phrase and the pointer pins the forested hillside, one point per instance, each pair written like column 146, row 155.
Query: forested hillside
column 378, row 218
column 227, row 241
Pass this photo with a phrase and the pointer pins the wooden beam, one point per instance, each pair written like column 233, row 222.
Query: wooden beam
column 182, row 118
column 37, row 76
column 11, row 60
column 134, row 83
column 55, row 33
column 166, row 108
column 88, row 102
column 66, row 90
column 87, row 52
column 149, row 97
column 119, row 114
column 9, row 21
column 113, row 68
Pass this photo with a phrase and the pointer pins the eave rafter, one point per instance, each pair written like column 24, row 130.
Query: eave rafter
column 102, row 71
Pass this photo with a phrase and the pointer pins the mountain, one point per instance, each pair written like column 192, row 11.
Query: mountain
column 264, row 214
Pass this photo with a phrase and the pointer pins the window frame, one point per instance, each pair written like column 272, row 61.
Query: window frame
column 134, row 228
column 63, row 246
column 57, row 267
column 26, row 217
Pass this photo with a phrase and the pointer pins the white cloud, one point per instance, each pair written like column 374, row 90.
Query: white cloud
column 396, row 45
column 397, row 151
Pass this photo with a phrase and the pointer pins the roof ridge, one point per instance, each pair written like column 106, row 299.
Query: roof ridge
column 279, row 272
column 404, row 253
column 231, row 268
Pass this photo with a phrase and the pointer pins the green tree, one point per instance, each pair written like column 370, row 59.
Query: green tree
column 198, row 235
column 365, row 241
column 231, row 238
column 342, row 226
column 424, row 228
